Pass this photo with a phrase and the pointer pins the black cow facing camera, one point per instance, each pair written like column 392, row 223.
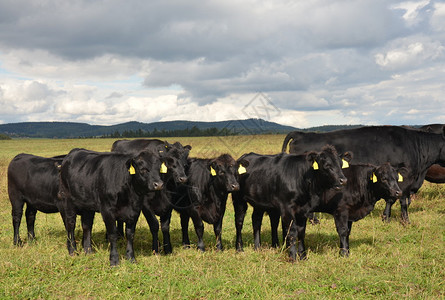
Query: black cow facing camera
column 205, row 195
column 110, row 183
column 366, row 185
column 290, row 184
column 174, row 158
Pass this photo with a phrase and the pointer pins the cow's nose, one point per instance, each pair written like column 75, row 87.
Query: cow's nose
column 182, row 179
column 235, row 187
column 398, row 193
column 343, row 181
column 158, row 185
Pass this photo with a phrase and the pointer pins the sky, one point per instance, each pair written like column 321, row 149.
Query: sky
column 301, row 63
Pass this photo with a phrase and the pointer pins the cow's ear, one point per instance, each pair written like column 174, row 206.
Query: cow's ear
column 130, row 166
column 168, row 160
column 243, row 162
column 347, row 156
column 212, row 166
column 242, row 165
column 312, row 158
column 403, row 172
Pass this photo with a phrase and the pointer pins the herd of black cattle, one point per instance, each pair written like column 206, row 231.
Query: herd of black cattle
column 343, row 173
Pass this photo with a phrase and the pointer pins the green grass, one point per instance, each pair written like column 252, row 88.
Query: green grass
column 387, row 260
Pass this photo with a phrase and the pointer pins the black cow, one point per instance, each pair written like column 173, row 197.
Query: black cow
column 33, row 180
column 204, row 197
column 138, row 145
column 292, row 184
column 401, row 147
column 366, row 185
column 160, row 202
column 435, row 173
column 110, row 183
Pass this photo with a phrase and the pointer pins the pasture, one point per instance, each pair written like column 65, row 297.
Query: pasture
column 386, row 260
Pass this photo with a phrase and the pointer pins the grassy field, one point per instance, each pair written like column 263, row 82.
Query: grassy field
column 387, row 260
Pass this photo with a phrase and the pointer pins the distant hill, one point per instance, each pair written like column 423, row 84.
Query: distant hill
column 192, row 128
column 156, row 129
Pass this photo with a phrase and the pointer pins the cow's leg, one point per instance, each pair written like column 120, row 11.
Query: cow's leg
column 274, row 221
column 185, row 229
column 386, row 217
column 343, row 229
column 30, row 214
column 112, row 234
column 17, row 213
column 130, row 228
column 405, row 201
column 290, row 223
column 69, row 220
column 313, row 219
column 120, row 229
column 87, row 219
column 165, row 227
column 257, row 219
column 217, row 229
column 153, row 224
column 240, row 208
column 199, row 229
column 301, row 222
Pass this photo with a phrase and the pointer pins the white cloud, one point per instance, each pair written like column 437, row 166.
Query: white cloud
column 438, row 17
column 409, row 53
column 412, row 10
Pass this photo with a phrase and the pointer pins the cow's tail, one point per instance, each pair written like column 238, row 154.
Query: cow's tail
column 288, row 137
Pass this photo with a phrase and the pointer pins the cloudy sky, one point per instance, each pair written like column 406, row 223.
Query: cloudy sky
column 302, row 63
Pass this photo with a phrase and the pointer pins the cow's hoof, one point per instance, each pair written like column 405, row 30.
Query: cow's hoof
column 386, row 219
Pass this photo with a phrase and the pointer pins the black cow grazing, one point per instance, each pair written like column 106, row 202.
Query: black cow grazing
column 204, row 197
column 292, row 184
column 436, row 173
column 377, row 145
column 366, row 185
column 159, row 202
column 33, row 180
column 110, row 183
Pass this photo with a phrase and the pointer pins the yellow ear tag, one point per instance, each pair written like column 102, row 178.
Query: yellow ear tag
column 400, row 178
column 241, row 170
column 132, row 171
column 374, row 178
column 315, row 165
column 163, row 168
column 212, row 171
column 345, row 164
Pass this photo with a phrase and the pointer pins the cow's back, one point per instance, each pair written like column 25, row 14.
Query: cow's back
column 34, row 179
column 135, row 146
column 373, row 144
column 89, row 176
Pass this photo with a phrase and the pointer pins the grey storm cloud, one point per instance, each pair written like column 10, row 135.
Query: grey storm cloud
column 307, row 55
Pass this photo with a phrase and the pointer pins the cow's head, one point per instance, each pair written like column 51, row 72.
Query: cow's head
column 145, row 169
column 174, row 156
column 224, row 170
column 328, row 165
column 385, row 180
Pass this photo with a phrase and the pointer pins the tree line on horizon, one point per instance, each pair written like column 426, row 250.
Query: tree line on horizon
column 187, row 132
